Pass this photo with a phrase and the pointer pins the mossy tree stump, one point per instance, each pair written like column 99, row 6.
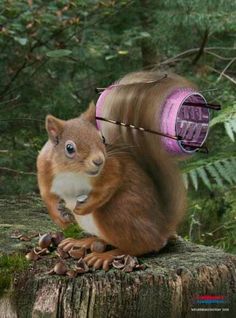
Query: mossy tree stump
column 167, row 288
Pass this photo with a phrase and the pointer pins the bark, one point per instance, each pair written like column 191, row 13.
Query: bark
column 167, row 288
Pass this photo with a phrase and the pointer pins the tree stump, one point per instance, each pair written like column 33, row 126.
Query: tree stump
column 169, row 287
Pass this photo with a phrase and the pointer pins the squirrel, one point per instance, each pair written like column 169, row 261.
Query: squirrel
column 111, row 194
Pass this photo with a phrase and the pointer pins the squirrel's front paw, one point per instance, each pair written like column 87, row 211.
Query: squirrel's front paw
column 70, row 243
column 80, row 203
column 63, row 221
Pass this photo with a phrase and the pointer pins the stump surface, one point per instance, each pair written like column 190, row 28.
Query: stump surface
column 167, row 288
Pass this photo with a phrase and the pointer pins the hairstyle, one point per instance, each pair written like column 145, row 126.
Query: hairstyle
column 137, row 99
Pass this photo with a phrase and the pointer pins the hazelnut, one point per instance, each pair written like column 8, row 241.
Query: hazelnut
column 32, row 256
column 98, row 246
column 60, row 268
column 45, row 240
column 57, row 238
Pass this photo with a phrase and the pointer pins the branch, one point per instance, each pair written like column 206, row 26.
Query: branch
column 10, row 100
column 17, row 171
column 227, row 66
column 201, row 50
column 193, row 50
column 223, row 74
column 217, row 55
column 16, row 119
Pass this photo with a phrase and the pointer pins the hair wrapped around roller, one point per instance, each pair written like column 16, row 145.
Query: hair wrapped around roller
column 138, row 99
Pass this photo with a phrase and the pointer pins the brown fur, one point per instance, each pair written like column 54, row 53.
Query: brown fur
column 138, row 198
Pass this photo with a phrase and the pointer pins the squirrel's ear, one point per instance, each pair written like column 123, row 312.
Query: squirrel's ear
column 54, row 127
column 90, row 113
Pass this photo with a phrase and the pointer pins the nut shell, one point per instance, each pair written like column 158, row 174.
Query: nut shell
column 77, row 253
column 45, row 240
column 32, row 256
column 61, row 253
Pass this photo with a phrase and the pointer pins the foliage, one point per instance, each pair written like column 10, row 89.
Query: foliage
column 9, row 264
column 215, row 171
column 73, row 231
column 54, row 54
column 211, row 219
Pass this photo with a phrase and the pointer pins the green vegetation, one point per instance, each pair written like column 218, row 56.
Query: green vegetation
column 9, row 264
column 73, row 230
column 54, row 54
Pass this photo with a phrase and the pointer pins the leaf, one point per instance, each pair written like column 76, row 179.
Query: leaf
column 185, row 179
column 202, row 173
column 233, row 125
column 110, row 57
column 229, row 130
column 145, row 34
column 193, row 176
column 123, row 52
column 58, row 53
column 22, row 41
column 215, row 175
column 223, row 170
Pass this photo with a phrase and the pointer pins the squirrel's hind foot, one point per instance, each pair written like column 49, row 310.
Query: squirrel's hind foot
column 102, row 260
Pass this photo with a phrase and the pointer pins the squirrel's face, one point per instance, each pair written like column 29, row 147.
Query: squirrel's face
column 78, row 145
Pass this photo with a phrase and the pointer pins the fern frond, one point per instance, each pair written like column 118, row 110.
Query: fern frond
column 220, row 172
column 194, row 178
column 228, row 118
column 203, row 175
column 214, row 174
column 229, row 129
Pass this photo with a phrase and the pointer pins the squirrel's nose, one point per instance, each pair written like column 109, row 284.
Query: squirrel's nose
column 98, row 161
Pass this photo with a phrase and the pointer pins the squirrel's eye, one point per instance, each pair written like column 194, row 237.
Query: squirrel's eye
column 70, row 149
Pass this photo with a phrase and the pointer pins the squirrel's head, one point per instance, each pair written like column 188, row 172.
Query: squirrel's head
column 78, row 145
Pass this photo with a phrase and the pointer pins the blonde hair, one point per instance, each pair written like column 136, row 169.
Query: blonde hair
column 137, row 99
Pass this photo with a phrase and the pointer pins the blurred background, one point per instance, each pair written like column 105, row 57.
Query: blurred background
column 53, row 54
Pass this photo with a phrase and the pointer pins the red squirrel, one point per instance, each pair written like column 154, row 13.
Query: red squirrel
column 111, row 195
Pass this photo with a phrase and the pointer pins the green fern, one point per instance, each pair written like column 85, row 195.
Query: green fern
column 228, row 118
column 220, row 172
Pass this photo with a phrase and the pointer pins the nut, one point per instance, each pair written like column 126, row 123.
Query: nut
column 71, row 273
column 60, row 268
column 57, row 238
column 98, row 246
column 45, row 240
column 32, row 256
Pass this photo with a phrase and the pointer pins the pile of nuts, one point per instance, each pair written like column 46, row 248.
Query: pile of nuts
column 49, row 243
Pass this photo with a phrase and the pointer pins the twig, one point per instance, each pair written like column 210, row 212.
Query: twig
column 10, row 100
column 221, row 48
column 17, row 171
column 223, row 74
column 218, row 56
column 30, row 119
column 190, row 51
column 201, row 50
column 193, row 50
column 227, row 66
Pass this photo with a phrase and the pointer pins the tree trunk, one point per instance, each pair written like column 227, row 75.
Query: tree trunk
column 149, row 49
column 167, row 288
